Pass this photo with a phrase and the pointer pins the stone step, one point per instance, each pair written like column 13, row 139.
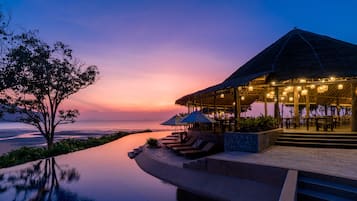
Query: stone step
column 322, row 140
column 316, row 144
column 337, row 136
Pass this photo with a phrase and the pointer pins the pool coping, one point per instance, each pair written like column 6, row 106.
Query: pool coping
column 216, row 186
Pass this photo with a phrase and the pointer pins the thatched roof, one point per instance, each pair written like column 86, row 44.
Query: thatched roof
column 298, row 54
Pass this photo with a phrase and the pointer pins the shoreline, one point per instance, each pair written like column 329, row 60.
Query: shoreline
column 67, row 145
column 11, row 139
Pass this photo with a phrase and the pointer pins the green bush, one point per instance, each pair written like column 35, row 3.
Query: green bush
column 27, row 154
column 152, row 142
column 257, row 124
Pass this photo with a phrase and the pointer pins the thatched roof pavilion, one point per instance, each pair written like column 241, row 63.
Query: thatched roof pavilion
column 300, row 67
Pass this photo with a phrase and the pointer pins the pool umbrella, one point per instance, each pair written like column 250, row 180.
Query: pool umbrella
column 197, row 117
column 173, row 121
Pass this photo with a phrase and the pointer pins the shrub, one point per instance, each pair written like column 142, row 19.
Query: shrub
column 260, row 123
column 152, row 142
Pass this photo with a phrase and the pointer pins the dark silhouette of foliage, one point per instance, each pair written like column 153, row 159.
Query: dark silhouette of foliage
column 37, row 78
column 40, row 182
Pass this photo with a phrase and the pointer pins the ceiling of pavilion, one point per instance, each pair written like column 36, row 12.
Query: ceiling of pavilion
column 298, row 54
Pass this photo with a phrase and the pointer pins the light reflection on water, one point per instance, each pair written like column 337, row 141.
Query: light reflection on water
column 106, row 173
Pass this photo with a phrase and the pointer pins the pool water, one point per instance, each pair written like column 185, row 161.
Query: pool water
column 103, row 173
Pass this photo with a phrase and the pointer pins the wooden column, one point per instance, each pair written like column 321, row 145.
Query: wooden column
column 215, row 104
column 354, row 106
column 201, row 104
column 307, row 104
column 276, row 105
column 296, row 107
column 265, row 103
column 237, row 109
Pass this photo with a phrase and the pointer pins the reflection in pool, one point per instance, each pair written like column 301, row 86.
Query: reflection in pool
column 103, row 173
column 40, row 181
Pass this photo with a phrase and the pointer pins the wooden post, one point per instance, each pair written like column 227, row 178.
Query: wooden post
column 354, row 106
column 296, row 107
column 265, row 103
column 276, row 105
column 201, row 104
column 307, row 104
column 215, row 104
column 325, row 110
column 237, row 109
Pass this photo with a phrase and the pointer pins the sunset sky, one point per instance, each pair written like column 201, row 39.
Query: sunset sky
column 152, row 52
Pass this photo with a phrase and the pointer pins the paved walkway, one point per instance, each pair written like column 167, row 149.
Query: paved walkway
column 336, row 162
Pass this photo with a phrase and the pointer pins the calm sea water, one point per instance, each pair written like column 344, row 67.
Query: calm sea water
column 93, row 126
column 103, row 173
column 15, row 135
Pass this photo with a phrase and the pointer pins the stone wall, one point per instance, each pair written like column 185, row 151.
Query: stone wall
column 250, row 141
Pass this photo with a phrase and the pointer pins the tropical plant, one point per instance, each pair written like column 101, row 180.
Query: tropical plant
column 260, row 123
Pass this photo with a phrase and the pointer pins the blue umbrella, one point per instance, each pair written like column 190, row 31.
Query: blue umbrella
column 174, row 121
column 197, row 117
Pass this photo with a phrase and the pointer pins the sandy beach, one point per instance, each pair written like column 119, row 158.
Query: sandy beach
column 14, row 139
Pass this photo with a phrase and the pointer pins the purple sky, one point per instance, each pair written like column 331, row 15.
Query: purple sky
column 152, row 52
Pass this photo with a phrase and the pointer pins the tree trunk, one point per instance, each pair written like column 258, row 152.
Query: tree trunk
column 49, row 143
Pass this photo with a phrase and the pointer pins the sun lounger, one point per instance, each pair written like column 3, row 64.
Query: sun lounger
column 177, row 141
column 188, row 143
column 198, row 152
column 198, row 144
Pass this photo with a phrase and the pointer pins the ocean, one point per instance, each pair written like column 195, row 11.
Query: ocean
column 14, row 135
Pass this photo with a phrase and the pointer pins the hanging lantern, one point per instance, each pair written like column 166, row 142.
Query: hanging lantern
column 332, row 78
column 234, row 103
column 250, row 88
column 304, row 92
column 322, row 89
column 289, row 89
column 282, row 98
column 299, row 88
column 340, row 86
column 285, row 93
column 273, row 83
column 291, row 98
column 312, row 86
column 242, row 98
column 222, row 95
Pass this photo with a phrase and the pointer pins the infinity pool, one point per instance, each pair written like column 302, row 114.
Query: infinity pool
column 103, row 173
